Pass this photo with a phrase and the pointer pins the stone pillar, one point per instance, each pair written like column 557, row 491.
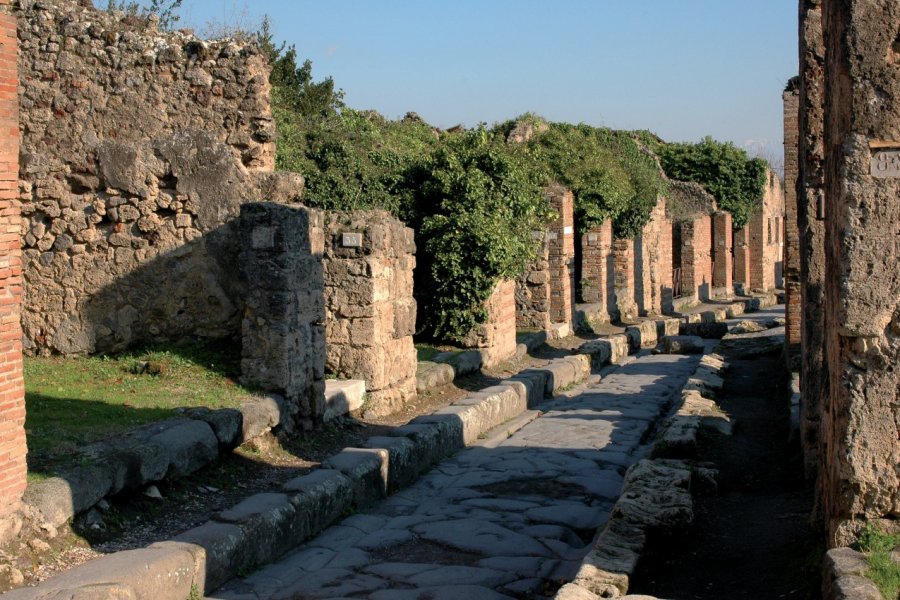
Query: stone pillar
column 496, row 339
column 791, row 99
column 813, row 370
column 696, row 259
column 723, row 258
column 596, row 265
column 742, row 258
column 370, row 313
column 12, row 394
column 861, row 418
column 653, row 261
column 561, row 239
column 532, row 295
column 623, row 256
column 283, row 339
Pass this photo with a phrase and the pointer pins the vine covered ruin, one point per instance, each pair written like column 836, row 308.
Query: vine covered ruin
column 145, row 200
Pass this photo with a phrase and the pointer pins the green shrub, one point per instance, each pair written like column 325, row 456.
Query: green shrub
column 877, row 546
column 733, row 178
column 477, row 204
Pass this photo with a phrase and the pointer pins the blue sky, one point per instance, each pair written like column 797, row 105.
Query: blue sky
column 681, row 68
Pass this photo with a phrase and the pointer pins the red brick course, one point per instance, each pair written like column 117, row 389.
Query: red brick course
column 597, row 265
column 723, row 240
column 791, row 226
column 696, row 257
column 12, row 399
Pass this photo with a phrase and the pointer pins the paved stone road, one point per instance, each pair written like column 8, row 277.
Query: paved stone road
column 512, row 521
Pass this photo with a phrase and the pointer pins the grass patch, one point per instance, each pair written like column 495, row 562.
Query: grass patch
column 424, row 352
column 73, row 401
column 877, row 547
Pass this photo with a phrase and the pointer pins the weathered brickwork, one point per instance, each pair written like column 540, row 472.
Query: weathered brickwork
column 723, row 258
column 283, row 339
column 138, row 148
column 861, row 417
column 810, row 197
column 623, row 259
column 561, row 256
column 497, row 337
column 370, row 313
column 597, row 265
column 12, row 401
column 766, row 238
column 791, row 99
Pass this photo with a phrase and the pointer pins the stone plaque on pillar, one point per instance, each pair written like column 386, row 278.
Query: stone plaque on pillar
column 886, row 163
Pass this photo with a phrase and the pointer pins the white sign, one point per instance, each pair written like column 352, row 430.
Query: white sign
column 886, row 164
column 352, row 240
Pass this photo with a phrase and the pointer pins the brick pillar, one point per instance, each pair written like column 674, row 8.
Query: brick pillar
column 758, row 232
column 496, row 339
column 813, row 371
column 861, row 416
column 596, row 274
column 742, row 257
column 791, row 99
column 561, row 239
column 12, row 393
column 723, row 276
column 623, row 253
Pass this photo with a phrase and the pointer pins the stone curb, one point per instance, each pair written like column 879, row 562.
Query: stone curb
column 163, row 450
column 265, row 526
column 696, row 409
column 656, row 495
column 844, row 571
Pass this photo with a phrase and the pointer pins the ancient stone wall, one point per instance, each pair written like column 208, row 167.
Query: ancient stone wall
column 723, row 257
column 561, row 256
column 283, row 339
column 497, row 337
column 742, row 258
column 597, row 267
column 861, row 418
column 12, row 400
column 810, row 199
column 532, row 293
column 653, row 263
column 370, row 313
column 138, row 148
column 791, row 101
column 696, row 256
column 623, row 260
column 766, row 238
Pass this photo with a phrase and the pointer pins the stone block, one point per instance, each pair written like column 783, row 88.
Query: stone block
column 225, row 547
column 683, row 344
column 405, row 463
column 226, row 423
column 343, row 397
column 189, row 445
column 705, row 330
column 367, row 469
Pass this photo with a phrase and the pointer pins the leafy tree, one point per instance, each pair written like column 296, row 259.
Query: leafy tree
column 297, row 90
column 727, row 172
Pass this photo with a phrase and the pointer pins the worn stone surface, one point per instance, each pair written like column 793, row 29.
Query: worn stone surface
column 861, row 416
column 343, row 396
column 370, row 313
column 283, row 339
column 810, row 198
column 494, row 522
column 683, row 344
column 138, row 148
